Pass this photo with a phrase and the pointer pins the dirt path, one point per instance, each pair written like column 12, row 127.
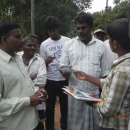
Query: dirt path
column 57, row 115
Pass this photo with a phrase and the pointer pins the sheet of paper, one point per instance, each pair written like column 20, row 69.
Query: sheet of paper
column 65, row 69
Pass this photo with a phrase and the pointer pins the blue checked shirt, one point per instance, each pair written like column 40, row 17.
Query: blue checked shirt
column 91, row 59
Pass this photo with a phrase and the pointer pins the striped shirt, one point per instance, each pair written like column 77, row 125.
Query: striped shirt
column 115, row 110
column 91, row 59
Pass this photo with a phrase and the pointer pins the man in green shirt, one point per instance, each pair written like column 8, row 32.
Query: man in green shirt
column 18, row 96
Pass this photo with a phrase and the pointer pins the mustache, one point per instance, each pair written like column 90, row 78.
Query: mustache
column 81, row 35
column 32, row 49
column 53, row 35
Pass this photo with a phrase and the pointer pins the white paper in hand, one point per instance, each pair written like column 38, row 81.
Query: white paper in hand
column 65, row 69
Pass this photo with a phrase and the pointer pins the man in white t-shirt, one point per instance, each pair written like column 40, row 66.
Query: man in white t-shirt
column 50, row 51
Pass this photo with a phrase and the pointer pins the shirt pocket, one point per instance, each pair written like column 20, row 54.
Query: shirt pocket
column 94, row 59
column 94, row 65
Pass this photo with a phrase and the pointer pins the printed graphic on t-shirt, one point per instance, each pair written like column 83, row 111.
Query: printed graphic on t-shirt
column 56, row 51
column 57, row 54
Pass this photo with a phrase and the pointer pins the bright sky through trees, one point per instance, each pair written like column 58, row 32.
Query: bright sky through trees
column 98, row 5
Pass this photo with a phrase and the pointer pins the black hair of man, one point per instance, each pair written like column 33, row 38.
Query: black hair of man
column 84, row 17
column 118, row 30
column 6, row 27
column 120, row 16
column 51, row 22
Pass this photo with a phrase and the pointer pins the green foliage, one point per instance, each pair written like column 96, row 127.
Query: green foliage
column 20, row 11
column 65, row 11
column 82, row 4
column 122, row 7
column 116, row 1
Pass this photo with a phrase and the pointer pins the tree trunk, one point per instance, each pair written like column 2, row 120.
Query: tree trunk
column 33, row 16
column 105, row 17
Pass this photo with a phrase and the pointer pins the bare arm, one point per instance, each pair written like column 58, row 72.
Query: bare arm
column 33, row 76
column 49, row 60
column 65, row 74
column 82, row 76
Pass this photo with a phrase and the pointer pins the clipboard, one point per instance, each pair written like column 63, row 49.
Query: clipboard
column 80, row 95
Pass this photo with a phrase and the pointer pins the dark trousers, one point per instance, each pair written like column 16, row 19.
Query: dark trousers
column 101, row 128
column 100, row 91
column 53, row 89
column 40, row 126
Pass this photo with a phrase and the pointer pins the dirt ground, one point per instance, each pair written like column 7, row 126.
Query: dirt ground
column 57, row 115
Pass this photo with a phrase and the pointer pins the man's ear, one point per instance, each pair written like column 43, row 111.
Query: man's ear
column 4, row 38
column 115, row 44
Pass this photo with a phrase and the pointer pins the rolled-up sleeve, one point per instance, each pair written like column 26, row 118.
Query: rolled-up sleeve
column 113, row 101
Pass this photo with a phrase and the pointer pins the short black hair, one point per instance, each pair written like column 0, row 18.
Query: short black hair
column 84, row 17
column 6, row 27
column 118, row 30
column 51, row 22
column 120, row 16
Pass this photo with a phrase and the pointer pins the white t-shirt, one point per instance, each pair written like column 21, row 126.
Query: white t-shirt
column 53, row 48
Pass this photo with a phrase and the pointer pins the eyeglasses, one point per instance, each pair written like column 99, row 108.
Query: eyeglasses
column 82, row 28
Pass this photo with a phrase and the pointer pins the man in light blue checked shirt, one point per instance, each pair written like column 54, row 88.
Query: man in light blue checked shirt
column 88, row 54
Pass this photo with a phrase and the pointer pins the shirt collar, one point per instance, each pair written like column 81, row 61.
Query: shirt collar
column 120, row 59
column 93, row 40
column 33, row 58
column 6, row 57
